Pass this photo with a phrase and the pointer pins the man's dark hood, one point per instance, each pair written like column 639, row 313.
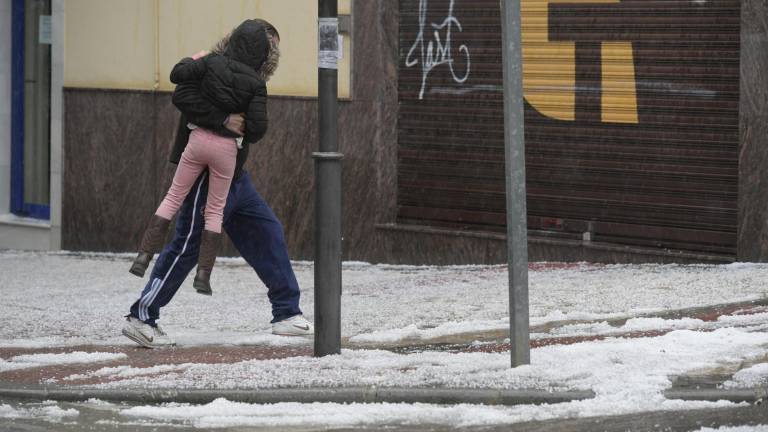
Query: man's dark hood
column 249, row 44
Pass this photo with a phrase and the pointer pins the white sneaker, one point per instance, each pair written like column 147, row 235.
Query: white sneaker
column 296, row 325
column 146, row 335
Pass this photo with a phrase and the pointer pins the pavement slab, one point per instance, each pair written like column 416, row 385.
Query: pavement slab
column 137, row 357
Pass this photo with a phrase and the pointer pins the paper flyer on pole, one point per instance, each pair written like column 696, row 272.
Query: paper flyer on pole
column 328, row 43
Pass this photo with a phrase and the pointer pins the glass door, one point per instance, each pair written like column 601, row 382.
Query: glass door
column 31, row 108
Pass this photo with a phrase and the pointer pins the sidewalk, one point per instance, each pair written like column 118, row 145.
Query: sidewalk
column 606, row 341
column 135, row 358
column 78, row 381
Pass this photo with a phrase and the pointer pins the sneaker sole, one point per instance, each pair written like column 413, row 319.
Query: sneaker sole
column 312, row 333
column 137, row 339
column 143, row 342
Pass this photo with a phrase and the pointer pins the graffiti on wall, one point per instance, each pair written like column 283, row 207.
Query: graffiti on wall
column 437, row 51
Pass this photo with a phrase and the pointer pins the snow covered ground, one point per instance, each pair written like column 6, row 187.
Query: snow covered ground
column 222, row 414
column 58, row 299
column 48, row 411
column 633, row 370
column 759, row 428
column 627, row 375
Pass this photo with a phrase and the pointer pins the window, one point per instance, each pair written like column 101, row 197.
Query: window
column 31, row 108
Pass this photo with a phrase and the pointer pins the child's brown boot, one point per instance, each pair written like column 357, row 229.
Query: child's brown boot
column 151, row 243
column 209, row 247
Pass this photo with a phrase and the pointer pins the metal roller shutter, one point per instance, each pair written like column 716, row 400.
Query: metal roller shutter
column 631, row 119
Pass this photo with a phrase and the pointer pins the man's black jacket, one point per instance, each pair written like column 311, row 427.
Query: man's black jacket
column 231, row 86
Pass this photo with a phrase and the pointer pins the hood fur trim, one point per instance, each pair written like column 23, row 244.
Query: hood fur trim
column 273, row 60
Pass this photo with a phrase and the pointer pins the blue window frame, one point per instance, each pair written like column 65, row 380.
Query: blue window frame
column 19, row 205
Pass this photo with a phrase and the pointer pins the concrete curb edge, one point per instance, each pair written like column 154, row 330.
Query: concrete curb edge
column 752, row 395
column 337, row 395
column 444, row 396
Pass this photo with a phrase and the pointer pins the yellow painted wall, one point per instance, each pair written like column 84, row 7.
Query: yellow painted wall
column 112, row 43
column 109, row 43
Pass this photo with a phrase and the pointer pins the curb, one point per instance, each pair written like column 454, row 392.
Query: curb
column 336, row 395
column 752, row 395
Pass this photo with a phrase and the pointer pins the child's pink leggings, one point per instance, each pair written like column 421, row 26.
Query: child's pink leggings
column 204, row 149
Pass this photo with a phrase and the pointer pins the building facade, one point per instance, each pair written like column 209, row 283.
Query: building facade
column 646, row 126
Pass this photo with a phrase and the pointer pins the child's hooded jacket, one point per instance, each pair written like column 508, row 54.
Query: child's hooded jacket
column 228, row 81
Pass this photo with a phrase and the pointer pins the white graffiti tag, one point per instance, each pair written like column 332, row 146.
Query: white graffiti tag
column 435, row 52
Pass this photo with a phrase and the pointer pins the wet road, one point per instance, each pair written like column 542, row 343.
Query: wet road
column 107, row 417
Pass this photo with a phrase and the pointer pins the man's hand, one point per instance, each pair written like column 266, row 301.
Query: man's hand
column 236, row 123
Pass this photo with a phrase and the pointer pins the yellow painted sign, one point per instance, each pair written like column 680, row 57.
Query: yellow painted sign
column 549, row 69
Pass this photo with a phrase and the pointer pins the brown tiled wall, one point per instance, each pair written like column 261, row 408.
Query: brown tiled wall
column 753, row 134
column 112, row 166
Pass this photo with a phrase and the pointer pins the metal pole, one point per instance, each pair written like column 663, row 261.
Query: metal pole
column 514, row 149
column 327, row 189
